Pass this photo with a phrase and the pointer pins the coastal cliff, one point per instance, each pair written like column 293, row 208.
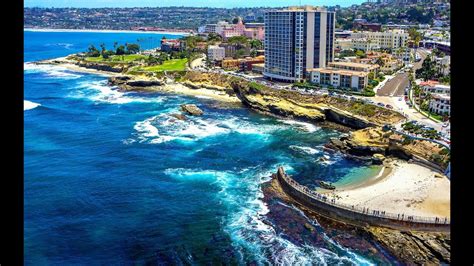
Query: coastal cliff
column 374, row 140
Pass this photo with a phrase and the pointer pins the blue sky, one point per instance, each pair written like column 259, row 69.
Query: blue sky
column 197, row 3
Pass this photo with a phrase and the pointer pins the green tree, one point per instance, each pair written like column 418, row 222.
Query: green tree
column 92, row 51
column 133, row 48
column 256, row 44
column 213, row 37
column 240, row 53
column 238, row 40
column 120, row 50
column 360, row 54
column 428, row 69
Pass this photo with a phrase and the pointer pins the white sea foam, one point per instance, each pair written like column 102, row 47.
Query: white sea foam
column 241, row 194
column 64, row 45
column 50, row 70
column 99, row 91
column 27, row 105
column 308, row 127
column 305, row 149
column 164, row 127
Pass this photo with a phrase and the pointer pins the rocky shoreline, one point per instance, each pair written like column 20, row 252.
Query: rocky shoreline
column 410, row 247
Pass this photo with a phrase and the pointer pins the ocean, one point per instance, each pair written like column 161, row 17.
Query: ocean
column 112, row 178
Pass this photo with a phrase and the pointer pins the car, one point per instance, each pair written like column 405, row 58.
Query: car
column 445, row 125
column 389, row 106
column 381, row 104
column 353, row 98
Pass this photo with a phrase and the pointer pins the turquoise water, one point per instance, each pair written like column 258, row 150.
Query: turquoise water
column 112, row 178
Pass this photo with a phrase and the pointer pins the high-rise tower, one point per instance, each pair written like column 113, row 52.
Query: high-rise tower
column 297, row 38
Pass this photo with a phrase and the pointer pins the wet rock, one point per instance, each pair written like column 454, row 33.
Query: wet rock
column 179, row 117
column 378, row 158
column 191, row 109
column 144, row 83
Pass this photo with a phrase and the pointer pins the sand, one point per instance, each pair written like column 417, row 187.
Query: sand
column 401, row 188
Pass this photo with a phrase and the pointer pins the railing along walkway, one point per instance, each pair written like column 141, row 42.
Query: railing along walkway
column 362, row 210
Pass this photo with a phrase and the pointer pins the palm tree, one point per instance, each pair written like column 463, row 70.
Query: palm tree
column 428, row 98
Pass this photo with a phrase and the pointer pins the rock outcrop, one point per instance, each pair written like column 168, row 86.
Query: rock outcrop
column 420, row 248
column 102, row 67
column 179, row 117
column 191, row 109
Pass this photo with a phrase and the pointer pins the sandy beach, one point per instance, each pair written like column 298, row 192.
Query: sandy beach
column 401, row 187
column 107, row 31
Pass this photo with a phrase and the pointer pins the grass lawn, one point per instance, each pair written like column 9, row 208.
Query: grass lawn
column 117, row 58
column 170, row 65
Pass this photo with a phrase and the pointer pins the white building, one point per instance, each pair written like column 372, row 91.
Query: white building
column 438, row 89
column 368, row 40
column 444, row 64
column 343, row 44
column 215, row 53
column 339, row 78
column 440, row 104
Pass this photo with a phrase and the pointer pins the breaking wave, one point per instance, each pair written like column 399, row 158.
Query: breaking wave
column 308, row 127
column 99, row 91
column 27, row 105
column 50, row 71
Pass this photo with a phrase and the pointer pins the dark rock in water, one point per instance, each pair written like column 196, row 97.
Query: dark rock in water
column 144, row 83
column 326, row 185
column 179, row 116
column 118, row 80
column 191, row 109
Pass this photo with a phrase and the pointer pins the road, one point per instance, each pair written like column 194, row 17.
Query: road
column 199, row 62
column 394, row 87
column 392, row 93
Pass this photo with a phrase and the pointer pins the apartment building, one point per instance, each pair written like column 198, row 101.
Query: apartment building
column 215, row 53
column 339, row 78
column 438, row 88
column 297, row 39
column 368, row 40
column 354, row 66
column 440, row 104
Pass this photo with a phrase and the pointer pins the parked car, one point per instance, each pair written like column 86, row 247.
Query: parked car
column 381, row 104
column 389, row 106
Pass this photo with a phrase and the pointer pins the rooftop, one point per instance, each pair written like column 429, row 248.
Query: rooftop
column 352, row 64
column 339, row 71
column 306, row 8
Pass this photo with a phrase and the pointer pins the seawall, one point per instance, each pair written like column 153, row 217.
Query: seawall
column 356, row 215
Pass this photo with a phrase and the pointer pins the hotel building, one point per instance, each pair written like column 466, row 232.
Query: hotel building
column 296, row 39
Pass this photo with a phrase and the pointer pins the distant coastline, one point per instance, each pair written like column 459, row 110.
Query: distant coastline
column 104, row 31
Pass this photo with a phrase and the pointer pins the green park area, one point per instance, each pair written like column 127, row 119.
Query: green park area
column 169, row 65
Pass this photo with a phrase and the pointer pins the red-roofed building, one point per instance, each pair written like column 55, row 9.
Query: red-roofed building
column 429, row 83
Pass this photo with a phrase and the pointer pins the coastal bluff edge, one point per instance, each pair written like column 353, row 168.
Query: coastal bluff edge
column 356, row 215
